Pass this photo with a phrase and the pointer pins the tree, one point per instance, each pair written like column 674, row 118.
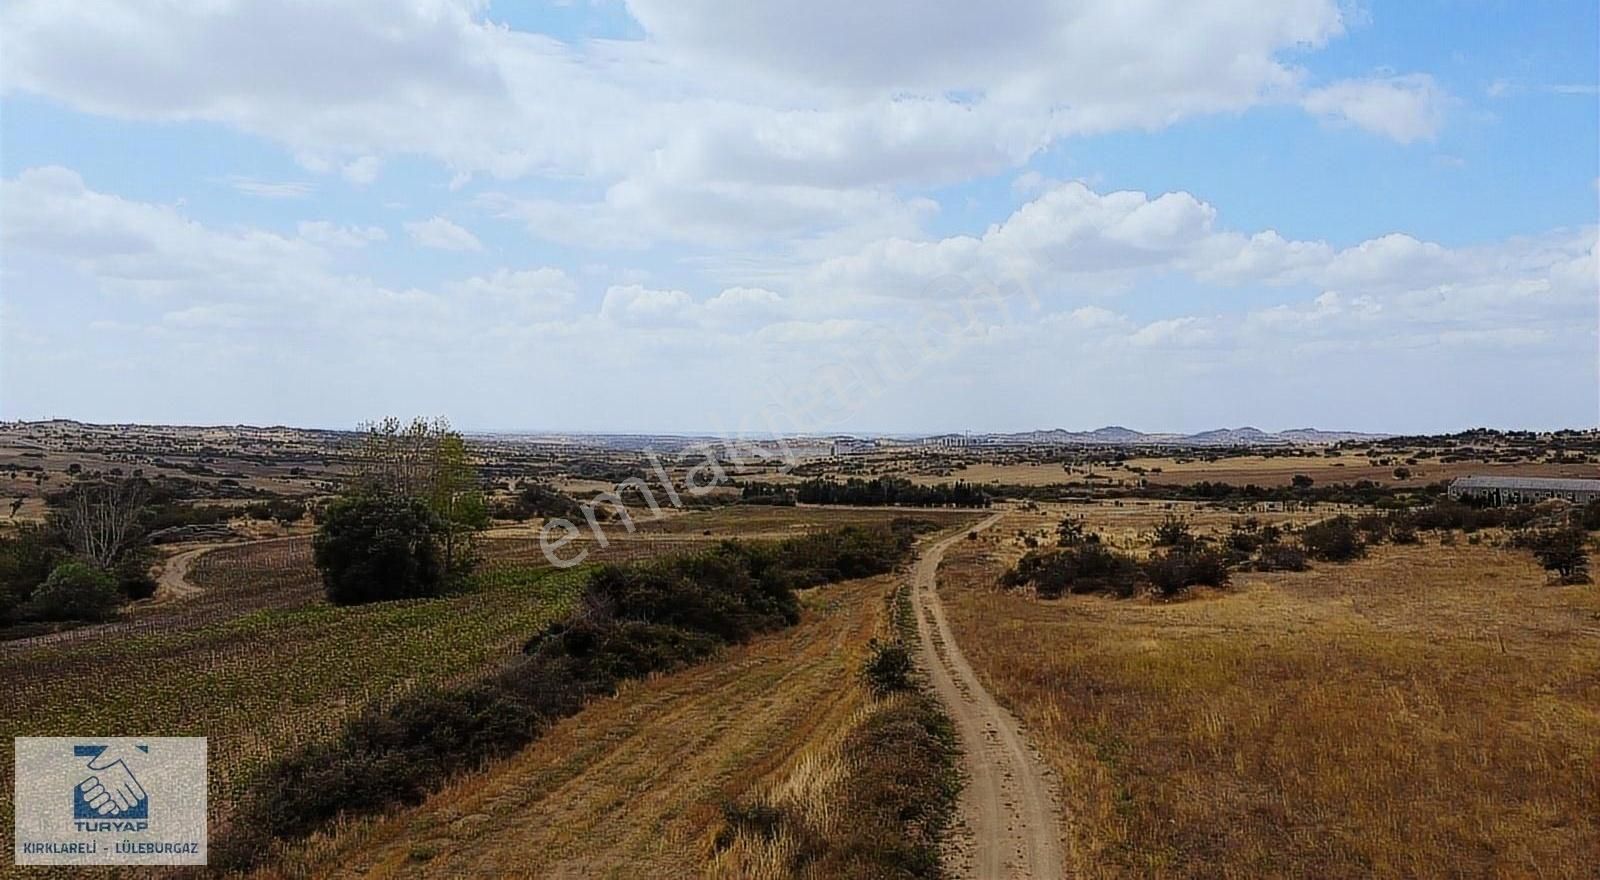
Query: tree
column 101, row 520
column 1565, row 552
column 377, row 544
column 430, row 462
column 27, row 556
column 454, row 496
column 1301, row 481
column 74, row 591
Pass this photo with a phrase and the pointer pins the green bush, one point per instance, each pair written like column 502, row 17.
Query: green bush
column 888, row 669
column 1173, row 532
column 27, row 557
column 1280, row 557
column 1333, row 540
column 377, row 545
column 1087, row 567
column 74, row 591
column 1179, row 568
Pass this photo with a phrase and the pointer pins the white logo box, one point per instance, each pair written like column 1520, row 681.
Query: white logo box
column 95, row 800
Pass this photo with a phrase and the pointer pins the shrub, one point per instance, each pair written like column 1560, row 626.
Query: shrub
column 1173, row 532
column 604, row 653
column 899, row 797
column 1073, row 531
column 1333, row 540
column 377, row 545
column 1089, row 567
column 888, row 669
column 1179, row 568
column 1402, row 532
column 1280, row 557
column 74, row 591
column 1374, row 527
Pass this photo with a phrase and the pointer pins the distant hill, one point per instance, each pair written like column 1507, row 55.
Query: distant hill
column 1116, row 435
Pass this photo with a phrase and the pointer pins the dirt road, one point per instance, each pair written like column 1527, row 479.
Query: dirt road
column 1012, row 824
column 174, row 582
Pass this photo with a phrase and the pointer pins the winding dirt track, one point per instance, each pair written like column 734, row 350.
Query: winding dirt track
column 1012, row 824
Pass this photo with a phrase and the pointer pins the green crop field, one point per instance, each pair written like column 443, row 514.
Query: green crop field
column 266, row 679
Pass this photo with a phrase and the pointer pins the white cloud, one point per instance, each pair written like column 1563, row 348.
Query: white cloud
column 215, row 299
column 636, row 304
column 441, row 234
column 140, row 247
column 363, row 170
column 264, row 189
column 331, row 234
column 1403, row 108
column 763, row 119
column 508, row 296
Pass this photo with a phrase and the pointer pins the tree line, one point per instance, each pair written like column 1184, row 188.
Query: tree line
column 879, row 492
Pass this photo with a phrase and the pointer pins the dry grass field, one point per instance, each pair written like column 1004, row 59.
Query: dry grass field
column 633, row 785
column 1428, row 711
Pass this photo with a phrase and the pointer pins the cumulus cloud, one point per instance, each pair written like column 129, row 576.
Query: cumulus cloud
column 214, row 288
column 140, row 247
column 763, row 118
column 441, row 234
column 1403, row 108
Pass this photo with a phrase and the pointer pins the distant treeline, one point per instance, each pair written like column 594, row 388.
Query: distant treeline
column 880, row 492
column 890, row 492
column 1362, row 492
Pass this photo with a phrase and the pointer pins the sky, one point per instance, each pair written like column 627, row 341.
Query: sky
column 898, row 216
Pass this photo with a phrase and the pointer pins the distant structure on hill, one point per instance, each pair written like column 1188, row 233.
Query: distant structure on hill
column 1523, row 490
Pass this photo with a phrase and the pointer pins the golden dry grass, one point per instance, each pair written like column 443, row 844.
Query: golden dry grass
column 633, row 786
column 1427, row 712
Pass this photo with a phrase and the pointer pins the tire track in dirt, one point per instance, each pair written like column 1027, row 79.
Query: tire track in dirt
column 1012, row 825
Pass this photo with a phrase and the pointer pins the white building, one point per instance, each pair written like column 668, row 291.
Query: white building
column 1524, row 490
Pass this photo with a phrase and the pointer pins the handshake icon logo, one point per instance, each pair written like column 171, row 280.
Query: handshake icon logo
column 110, row 791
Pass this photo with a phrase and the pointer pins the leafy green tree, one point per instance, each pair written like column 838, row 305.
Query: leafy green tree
column 376, row 545
column 456, row 498
column 27, row 556
column 428, row 461
column 75, row 591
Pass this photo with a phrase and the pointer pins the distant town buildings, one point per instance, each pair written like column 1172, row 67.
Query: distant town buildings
column 1523, row 490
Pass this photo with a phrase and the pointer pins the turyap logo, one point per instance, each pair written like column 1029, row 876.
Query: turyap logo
column 110, row 801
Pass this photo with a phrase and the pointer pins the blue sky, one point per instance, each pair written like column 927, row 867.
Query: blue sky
column 654, row 215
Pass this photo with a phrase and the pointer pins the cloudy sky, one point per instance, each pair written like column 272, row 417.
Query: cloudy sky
column 897, row 215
